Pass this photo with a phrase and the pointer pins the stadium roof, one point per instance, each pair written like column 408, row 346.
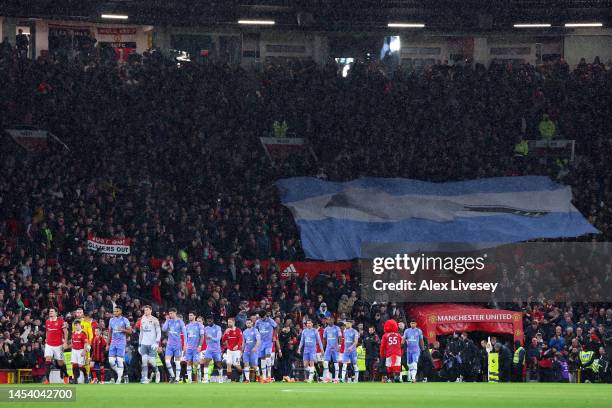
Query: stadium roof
column 324, row 14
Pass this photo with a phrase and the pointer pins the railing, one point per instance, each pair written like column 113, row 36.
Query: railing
column 8, row 376
column 16, row 376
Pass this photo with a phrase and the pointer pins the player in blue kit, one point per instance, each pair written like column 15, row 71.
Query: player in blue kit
column 174, row 348
column 413, row 337
column 250, row 348
column 212, row 336
column 308, row 343
column 193, row 344
column 119, row 327
column 332, row 336
column 351, row 338
column 266, row 326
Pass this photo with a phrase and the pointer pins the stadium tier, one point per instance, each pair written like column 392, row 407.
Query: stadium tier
column 168, row 220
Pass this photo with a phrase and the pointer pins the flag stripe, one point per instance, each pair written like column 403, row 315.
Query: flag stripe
column 335, row 219
column 363, row 205
column 312, row 187
column 336, row 239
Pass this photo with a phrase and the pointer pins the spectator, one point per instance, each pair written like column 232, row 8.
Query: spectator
column 323, row 312
column 534, row 352
column 557, row 341
column 22, row 43
column 199, row 224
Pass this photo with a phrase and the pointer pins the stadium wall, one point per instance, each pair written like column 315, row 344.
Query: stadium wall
column 8, row 26
column 255, row 46
column 41, row 35
column 427, row 50
column 252, row 46
column 588, row 44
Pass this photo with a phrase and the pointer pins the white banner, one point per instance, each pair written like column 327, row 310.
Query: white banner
column 556, row 149
column 115, row 246
column 279, row 149
column 31, row 139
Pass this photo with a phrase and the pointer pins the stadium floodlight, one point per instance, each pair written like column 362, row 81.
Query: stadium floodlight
column 531, row 25
column 257, row 22
column 406, row 25
column 584, row 24
column 114, row 16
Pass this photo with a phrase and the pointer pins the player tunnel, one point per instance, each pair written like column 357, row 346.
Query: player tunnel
column 446, row 318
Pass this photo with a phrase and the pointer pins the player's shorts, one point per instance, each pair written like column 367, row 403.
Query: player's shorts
column 192, row 355
column 147, row 351
column 55, row 352
column 309, row 356
column 77, row 357
column 393, row 361
column 250, row 358
column 331, row 355
column 265, row 350
column 212, row 355
column 412, row 357
column 173, row 351
column 116, row 350
column 340, row 356
column 232, row 357
column 350, row 357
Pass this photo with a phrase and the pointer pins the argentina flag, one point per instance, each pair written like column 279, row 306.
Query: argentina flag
column 335, row 219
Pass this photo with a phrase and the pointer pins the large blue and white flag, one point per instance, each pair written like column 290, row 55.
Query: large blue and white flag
column 335, row 219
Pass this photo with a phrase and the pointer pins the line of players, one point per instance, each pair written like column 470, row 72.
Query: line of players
column 198, row 345
column 243, row 350
column 195, row 343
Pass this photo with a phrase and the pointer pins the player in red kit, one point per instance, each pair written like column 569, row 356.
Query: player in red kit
column 319, row 355
column 232, row 342
column 56, row 340
column 96, row 365
column 391, row 350
column 341, row 365
column 276, row 351
column 79, row 353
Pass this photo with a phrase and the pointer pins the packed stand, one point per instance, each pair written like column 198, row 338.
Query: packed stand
column 169, row 156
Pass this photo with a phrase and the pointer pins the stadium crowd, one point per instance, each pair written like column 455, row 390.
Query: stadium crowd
column 169, row 156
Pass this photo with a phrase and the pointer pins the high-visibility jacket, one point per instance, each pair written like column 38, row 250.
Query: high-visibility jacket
column 48, row 235
column 547, row 129
column 183, row 255
column 585, row 358
column 522, row 148
column 516, row 359
column 67, row 362
column 361, row 358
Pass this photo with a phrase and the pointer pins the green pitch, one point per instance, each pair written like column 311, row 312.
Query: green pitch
column 367, row 395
